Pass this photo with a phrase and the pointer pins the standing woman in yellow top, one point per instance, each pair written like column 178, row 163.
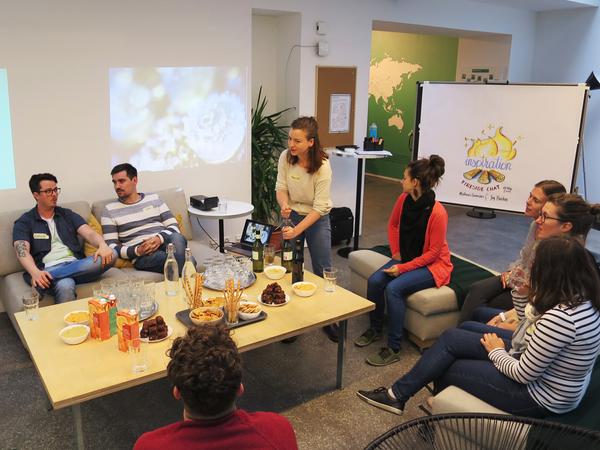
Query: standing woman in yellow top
column 303, row 191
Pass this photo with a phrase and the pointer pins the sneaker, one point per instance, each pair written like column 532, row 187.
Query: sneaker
column 384, row 357
column 368, row 337
column 381, row 399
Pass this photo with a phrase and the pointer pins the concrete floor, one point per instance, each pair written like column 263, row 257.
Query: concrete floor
column 297, row 380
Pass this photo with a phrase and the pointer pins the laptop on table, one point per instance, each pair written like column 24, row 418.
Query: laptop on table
column 244, row 246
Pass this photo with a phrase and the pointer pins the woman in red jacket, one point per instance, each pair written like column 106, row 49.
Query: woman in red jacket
column 420, row 256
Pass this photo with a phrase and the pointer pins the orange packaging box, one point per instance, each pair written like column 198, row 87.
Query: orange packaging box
column 99, row 319
column 128, row 328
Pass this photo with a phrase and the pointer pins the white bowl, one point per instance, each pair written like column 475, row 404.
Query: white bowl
column 275, row 272
column 248, row 316
column 69, row 321
column 82, row 336
column 304, row 288
column 218, row 311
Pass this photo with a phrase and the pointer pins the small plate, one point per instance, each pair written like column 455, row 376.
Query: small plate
column 169, row 333
column 147, row 314
column 287, row 300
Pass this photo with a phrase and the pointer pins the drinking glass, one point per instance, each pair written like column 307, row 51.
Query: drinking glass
column 138, row 354
column 31, row 303
column 330, row 276
column 222, row 205
column 269, row 255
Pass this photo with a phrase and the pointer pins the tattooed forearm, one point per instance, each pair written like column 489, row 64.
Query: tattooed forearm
column 22, row 248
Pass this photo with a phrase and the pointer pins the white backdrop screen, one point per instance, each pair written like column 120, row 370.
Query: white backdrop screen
column 499, row 140
column 7, row 165
column 177, row 117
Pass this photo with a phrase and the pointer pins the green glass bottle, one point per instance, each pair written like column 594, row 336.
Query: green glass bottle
column 287, row 249
column 258, row 263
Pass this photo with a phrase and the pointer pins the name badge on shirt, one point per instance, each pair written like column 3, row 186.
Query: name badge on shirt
column 148, row 208
column 295, row 177
column 40, row 236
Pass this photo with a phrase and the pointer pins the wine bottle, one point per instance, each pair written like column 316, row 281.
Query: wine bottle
column 287, row 249
column 258, row 263
column 298, row 262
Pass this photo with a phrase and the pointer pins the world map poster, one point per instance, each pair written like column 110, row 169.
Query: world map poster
column 398, row 61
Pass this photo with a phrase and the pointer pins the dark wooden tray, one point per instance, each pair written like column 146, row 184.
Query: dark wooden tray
column 184, row 318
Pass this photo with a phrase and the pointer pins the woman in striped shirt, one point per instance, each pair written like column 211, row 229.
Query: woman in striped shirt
column 553, row 372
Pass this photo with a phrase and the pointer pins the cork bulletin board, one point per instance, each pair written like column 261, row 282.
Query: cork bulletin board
column 336, row 99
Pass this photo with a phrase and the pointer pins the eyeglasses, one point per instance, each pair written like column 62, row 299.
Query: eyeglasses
column 543, row 216
column 49, row 192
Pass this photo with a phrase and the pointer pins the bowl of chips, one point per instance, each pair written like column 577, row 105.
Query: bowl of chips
column 304, row 288
column 81, row 317
column 74, row 334
column 206, row 315
column 249, row 310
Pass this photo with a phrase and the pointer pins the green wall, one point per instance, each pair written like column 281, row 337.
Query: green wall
column 398, row 61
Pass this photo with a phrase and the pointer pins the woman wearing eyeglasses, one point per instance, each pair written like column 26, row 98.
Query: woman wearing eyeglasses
column 495, row 291
column 554, row 370
column 562, row 215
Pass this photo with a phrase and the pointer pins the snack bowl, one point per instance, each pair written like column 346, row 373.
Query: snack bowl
column 78, row 317
column 275, row 272
column 304, row 288
column 74, row 334
column 207, row 315
column 249, row 315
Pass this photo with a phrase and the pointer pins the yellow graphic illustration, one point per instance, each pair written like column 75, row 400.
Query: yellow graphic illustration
column 489, row 156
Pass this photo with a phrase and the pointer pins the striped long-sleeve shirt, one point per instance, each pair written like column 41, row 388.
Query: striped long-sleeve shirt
column 557, row 364
column 126, row 226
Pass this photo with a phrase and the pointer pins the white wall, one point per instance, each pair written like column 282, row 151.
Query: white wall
column 493, row 53
column 567, row 50
column 58, row 54
column 264, row 66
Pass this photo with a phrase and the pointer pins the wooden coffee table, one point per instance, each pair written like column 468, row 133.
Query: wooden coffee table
column 73, row 374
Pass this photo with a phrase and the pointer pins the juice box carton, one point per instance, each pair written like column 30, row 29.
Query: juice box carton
column 128, row 328
column 99, row 318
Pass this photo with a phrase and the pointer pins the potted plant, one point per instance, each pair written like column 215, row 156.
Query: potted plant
column 268, row 141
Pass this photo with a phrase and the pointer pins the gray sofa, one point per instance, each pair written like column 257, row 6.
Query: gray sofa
column 12, row 285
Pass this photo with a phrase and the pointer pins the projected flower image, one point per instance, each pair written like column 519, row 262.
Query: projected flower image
column 166, row 118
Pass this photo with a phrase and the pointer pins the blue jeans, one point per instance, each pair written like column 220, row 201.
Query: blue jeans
column 457, row 358
column 484, row 314
column 155, row 262
column 383, row 288
column 318, row 238
column 66, row 275
column 480, row 328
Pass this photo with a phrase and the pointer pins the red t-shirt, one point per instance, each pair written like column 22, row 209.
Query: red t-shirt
column 240, row 430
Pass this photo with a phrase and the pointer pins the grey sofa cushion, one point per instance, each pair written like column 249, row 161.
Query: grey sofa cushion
column 9, row 262
column 175, row 200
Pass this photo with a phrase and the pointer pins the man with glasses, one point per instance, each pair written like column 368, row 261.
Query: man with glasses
column 46, row 241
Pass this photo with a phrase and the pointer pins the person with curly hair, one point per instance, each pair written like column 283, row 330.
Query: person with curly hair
column 206, row 373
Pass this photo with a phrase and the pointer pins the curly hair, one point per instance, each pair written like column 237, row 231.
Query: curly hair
column 206, row 368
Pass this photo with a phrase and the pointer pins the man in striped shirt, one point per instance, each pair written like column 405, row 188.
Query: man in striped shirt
column 140, row 226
